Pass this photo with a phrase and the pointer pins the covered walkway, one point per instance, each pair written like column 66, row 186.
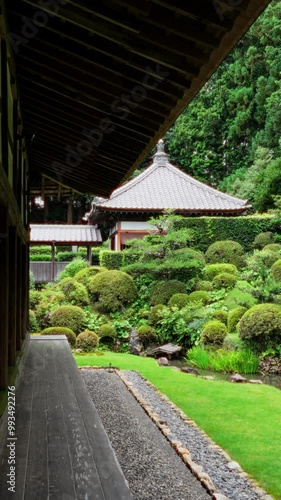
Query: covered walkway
column 60, row 445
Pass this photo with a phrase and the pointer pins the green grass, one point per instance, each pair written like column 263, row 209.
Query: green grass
column 243, row 419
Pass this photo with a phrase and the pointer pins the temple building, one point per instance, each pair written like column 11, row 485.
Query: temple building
column 159, row 187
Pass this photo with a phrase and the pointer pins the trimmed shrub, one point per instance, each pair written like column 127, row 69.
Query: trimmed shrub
column 156, row 315
column 273, row 247
column 84, row 276
column 74, row 292
column 40, row 257
column 190, row 253
column 34, row 298
column 162, row 291
column 65, row 256
column 73, row 267
column 262, row 258
column 87, row 341
column 107, row 330
column 276, row 270
column 32, row 324
column 227, row 251
column 212, row 270
column 221, row 316
column 234, row 317
column 179, row 300
column 224, row 280
column 112, row 290
column 263, row 239
column 39, row 249
column 71, row 317
column 200, row 296
column 204, row 285
column 260, row 327
column 237, row 297
column 58, row 330
column 147, row 334
column 111, row 259
column 213, row 333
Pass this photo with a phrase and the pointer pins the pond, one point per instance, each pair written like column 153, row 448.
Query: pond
column 274, row 380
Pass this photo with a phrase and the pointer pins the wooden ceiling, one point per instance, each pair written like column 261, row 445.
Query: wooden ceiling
column 101, row 81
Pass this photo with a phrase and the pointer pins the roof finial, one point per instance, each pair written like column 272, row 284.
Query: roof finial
column 160, row 155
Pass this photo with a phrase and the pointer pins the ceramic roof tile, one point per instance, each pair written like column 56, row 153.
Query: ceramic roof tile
column 63, row 233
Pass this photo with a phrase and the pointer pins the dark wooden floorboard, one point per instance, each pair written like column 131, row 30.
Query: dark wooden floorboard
column 62, row 450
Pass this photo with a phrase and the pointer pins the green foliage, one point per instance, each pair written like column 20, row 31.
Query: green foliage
column 75, row 293
column 69, row 316
column 200, row 296
column 112, row 290
column 273, row 247
column 212, row 270
column 33, row 324
column 223, row 360
column 59, row 330
column 72, row 268
column 66, row 256
column 204, row 285
column 236, row 298
column 31, row 281
column 156, row 314
column 84, row 276
column 107, row 330
column 234, row 317
column 162, row 291
column 276, row 270
column 111, row 259
column 34, row 298
column 40, row 249
column 224, row 280
column 260, row 326
column 40, row 257
column 263, row 239
column 213, row 333
column 227, row 251
column 147, row 335
column 221, row 316
column 87, row 341
column 179, row 300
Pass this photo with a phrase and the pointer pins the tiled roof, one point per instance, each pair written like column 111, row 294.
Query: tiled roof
column 64, row 233
column 162, row 186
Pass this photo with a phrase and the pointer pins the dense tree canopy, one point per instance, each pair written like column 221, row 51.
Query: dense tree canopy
column 218, row 139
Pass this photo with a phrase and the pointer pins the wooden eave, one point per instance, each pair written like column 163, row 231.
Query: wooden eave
column 89, row 56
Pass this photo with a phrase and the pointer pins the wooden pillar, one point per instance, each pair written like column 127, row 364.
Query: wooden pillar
column 12, row 294
column 4, row 293
column 89, row 254
column 19, row 295
column 53, row 262
column 24, row 290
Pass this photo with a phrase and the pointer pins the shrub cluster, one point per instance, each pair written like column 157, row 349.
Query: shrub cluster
column 112, row 290
column 199, row 296
column 212, row 270
column 110, row 259
column 58, row 330
column 224, row 280
column 234, row 317
column 164, row 290
column 87, row 341
column 213, row 333
column 260, row 326
column 179, row 300
column 227, row 251
column 147, row 335
column 71, row 317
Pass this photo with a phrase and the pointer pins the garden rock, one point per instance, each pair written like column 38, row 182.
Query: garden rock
column 254, row 381
column 135, row 345
column 237, row 378
column 187, row 369
column 163, row 361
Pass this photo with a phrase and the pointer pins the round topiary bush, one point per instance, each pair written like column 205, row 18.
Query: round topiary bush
column 221, row 316
column 262, row 258
column 164, row 290
column 190, row 253
column 147, row 335
column 260, row 326
column 224, row 280
column 33, row 324
column 34, row 298
column 273, row 247
column 276, row 270
column 73, row 267
column 87, row 341
column 234, row 317
column 84, row 275
column 227, row 251
column 204, row 285
column 74, row 292
column 263, row 239
column 107, row 330
column 71, row 317
column 212, row 270
column 213, row 333
column 112, row 290
column 155, row 315
column 179, row 300
column 200, row 296
column 60, row 330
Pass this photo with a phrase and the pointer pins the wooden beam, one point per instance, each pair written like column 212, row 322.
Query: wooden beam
column 12, row 294
column 19, row 295
column 4, row 294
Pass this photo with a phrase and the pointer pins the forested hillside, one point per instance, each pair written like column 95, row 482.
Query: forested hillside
column 229, row 136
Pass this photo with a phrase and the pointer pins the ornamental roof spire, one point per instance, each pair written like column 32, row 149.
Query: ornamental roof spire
column 160, row 156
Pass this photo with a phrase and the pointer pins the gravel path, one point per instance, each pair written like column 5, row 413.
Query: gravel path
column 151, row 466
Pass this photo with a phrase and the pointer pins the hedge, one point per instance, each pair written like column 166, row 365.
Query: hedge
column 242, row 229
column 111, row 259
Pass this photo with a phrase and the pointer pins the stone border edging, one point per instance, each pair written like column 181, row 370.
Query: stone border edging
column 184, row 453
